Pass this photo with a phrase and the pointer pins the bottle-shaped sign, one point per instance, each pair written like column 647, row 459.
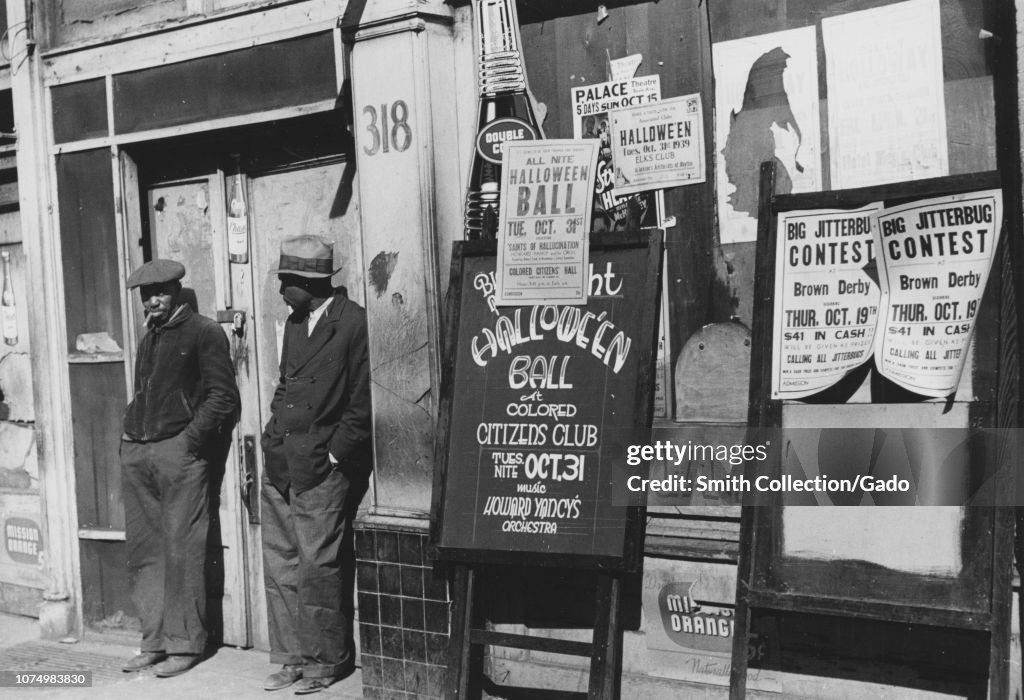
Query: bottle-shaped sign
column 505, row 113
column 238, row 222
column 8, row 308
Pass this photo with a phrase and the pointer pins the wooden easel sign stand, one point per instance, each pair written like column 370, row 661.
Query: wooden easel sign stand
column 538, row 406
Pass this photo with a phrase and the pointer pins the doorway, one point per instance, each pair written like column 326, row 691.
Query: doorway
column 294, row 179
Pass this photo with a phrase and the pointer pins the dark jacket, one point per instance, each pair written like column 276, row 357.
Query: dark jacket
column 184, row 381
column 322, row 402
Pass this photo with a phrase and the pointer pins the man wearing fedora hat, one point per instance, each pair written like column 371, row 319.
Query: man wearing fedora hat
column 318, row 457
column 177, row 429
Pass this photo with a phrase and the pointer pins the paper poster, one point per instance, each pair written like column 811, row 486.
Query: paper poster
column 544, row 220
column 625, row 68
column 658, row 145
column 826, row 304
column 886, row 110
column 591, row 105
column 934, row 259
column 766, row 106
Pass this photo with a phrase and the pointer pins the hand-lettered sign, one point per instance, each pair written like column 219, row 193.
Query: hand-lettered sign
column 539, row 404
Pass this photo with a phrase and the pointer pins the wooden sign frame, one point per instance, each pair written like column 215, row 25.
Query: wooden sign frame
column 974, row 605
column 646, row 250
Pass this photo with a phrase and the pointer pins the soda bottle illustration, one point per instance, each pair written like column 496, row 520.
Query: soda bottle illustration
column 505, row 111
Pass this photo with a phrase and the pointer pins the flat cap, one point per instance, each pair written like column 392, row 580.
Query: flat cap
column 156, row 272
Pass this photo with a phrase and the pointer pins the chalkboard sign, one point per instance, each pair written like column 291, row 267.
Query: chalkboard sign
column 539, row 404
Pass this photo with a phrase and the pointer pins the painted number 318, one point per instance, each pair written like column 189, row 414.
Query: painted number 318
column 385, row 136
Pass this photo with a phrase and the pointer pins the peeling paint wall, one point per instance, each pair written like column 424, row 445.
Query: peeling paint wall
column 399, row 226
column 403, row 403
column 77, row 21
column 74, row 21
column 21, row 543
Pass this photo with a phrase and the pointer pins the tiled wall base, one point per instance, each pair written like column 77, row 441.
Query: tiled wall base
column 403, row 615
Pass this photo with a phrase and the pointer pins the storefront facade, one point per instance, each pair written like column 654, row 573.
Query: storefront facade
column 138, row 126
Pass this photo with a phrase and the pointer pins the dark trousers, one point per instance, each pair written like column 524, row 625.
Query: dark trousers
column 167, row 519
column 308, row 564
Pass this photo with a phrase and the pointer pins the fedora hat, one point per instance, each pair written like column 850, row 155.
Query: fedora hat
column 306, row 256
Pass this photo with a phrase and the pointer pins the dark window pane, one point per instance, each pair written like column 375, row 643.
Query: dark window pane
column 79, row 110
column 260, row 78
column 6, row 112
column 92, row 291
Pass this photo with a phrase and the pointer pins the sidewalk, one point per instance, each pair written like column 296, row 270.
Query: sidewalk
column 229, row 673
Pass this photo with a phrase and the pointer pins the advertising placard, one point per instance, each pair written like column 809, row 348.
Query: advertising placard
column 826, row 305
column 689, row 624
column 542, row 404
column 591, row 105
column 934, row 260
column 658, row 145
column 544, row 222
column 22, row 549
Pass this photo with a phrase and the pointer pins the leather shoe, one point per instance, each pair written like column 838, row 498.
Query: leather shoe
column 288, row 674
column 143, row 660
column 306, row 686
column 176, row 664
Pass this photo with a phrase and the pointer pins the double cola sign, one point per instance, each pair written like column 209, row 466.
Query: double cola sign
column 491, row 139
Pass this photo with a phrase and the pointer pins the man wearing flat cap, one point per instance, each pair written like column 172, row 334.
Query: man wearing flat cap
column 176, row 428
column 318, row 458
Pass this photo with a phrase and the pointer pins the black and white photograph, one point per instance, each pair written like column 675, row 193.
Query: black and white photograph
column 330, row 368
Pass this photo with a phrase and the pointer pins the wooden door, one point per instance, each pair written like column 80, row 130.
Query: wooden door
column 291, row 203
column 283, row 203
column 184, row 220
